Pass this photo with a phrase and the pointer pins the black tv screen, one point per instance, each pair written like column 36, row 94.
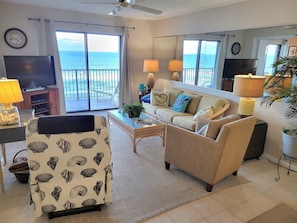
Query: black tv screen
column 239, row 66
column 31, row 71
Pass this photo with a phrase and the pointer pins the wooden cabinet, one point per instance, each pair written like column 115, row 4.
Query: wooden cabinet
column 45, row 102
column 227, row 84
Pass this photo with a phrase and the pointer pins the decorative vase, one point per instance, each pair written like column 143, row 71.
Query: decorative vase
column 289, row 145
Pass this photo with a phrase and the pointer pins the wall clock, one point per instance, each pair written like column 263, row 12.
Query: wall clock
column 235, row 49
column 15, row 38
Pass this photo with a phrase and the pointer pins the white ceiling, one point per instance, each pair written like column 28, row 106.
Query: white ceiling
column 169, row 7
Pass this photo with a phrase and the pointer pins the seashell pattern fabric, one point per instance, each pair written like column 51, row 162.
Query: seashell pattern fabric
column 69, row 170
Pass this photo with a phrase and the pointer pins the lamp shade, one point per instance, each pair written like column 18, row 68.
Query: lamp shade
column 10, row 91
column 248, row 85
column 175, row 65
column 151, row 65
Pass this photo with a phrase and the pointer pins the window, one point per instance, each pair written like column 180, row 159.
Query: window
column 200, row 58
column 272, row 52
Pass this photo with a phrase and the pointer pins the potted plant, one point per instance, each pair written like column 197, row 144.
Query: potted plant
column 286, row 67
column 133, row 109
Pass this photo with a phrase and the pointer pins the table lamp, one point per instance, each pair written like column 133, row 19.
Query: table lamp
column 175, row 66
column 248, row 87
column 10, row 93
column 150, row 66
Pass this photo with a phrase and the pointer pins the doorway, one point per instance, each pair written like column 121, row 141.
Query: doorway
column 90, row 65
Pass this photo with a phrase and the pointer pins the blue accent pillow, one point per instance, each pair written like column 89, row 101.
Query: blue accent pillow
column 146, row 98
column 181, row 103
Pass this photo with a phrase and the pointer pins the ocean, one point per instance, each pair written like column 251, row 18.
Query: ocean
column 106, row 60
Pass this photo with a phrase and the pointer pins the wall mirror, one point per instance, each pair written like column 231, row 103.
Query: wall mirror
column 236, row 44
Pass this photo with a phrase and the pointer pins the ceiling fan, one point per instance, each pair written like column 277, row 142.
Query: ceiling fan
column 124, row 4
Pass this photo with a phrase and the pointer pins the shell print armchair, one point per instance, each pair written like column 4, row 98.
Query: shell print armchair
column 70, row 164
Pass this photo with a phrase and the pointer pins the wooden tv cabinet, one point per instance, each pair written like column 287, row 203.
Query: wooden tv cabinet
column 45, row 102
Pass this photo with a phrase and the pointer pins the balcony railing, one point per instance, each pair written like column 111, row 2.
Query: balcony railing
column 101, row 82
column 104, row 82
column 205, row 76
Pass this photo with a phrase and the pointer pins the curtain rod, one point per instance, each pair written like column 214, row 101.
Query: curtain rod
column 80, row 23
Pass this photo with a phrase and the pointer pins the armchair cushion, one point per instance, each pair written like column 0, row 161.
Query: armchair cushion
column 214, row 126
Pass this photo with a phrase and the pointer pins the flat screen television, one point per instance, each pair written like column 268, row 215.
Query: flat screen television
column 31, row 71
column 239, row 66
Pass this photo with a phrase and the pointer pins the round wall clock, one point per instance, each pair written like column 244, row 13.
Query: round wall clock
column 15, row 38
column 235, row 49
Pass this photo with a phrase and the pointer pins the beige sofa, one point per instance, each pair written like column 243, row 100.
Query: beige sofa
column 160, row 107
column 212, row 155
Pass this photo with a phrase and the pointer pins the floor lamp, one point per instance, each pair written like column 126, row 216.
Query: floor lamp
column 248, row 87
column 150, row 66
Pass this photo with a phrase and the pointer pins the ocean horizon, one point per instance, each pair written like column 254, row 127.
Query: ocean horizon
column 107, row 60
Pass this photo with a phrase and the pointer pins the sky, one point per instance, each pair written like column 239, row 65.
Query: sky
column 96, row 43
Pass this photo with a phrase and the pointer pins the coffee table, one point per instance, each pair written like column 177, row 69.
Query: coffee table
column 137, row 128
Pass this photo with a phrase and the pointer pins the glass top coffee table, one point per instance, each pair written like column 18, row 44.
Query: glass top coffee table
column 137, row 128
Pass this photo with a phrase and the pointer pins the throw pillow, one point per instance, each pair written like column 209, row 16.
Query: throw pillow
column 201, row 122
column 173, row 93
column 207, row 112
column 146, row 98
column 181, row 103
column 159, row 98
column 214, row 126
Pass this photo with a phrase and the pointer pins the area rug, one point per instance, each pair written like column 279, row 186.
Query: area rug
column 280, row 213
column 142, row 187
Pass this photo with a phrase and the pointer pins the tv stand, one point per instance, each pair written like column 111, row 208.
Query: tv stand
column 44, row 101
column 34, row 89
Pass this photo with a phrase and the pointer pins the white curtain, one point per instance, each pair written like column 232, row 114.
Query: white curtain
column 125, row 95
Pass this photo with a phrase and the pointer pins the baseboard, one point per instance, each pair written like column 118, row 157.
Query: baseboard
column 284, row 163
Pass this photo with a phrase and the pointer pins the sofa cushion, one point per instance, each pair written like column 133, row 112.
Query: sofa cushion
column 185, row 122
column 194, row 103
column 159, row 98
column 214, row 126
column 181, row 103
column 173, row 93
column 206, row 112
column 151, row 109
column 215, row 102
column 167, row 114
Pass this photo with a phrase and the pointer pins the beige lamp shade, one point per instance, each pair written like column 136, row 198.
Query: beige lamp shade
column 175, row 65
column 251, row 86
column 151, row 66
column 10, row 91
column 248, row 87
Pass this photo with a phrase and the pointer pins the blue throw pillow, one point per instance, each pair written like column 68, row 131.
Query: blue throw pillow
column 146, row 98
column 181, row 103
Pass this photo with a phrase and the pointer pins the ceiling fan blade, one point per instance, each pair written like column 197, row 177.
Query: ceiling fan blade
column 116, row 10
column 146, row 9
column 95, row 2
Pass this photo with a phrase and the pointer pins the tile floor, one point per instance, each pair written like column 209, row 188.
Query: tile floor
column 241, row 203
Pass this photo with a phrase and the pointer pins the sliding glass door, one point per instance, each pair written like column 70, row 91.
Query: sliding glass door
column 90, row 70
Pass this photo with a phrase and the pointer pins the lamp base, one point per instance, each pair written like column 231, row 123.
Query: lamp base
column 175, row 76
column 9, row 115
column 246, row 106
